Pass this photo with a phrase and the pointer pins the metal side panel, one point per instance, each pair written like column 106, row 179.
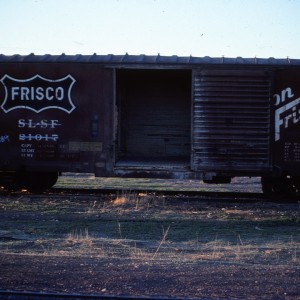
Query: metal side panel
column 231, row 120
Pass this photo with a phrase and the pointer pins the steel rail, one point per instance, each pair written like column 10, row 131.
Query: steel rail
column 24, row 295
column 187, row 195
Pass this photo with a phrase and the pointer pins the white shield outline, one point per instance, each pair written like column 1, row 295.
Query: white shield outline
column 44, row 108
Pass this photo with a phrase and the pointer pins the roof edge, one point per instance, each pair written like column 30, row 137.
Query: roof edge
column 146, row 59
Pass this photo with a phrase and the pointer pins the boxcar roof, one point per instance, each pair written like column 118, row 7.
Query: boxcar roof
column 146, row 59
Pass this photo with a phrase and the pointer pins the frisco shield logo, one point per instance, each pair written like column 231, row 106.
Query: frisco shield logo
column 38, row 93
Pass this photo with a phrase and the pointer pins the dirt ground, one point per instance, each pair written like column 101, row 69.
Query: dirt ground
column 144, row 244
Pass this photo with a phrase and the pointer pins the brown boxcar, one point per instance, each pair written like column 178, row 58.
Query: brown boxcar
column 204, row 118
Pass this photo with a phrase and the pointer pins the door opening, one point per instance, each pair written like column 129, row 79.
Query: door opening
column 154, row 116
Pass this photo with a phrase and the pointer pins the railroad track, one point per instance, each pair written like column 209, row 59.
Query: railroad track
column 238, row 197
column 15, row 295
column 242, row 191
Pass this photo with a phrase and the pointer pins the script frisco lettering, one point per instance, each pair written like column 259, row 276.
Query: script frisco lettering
column 288, row 113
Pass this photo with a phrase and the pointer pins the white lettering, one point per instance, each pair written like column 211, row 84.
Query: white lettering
column 14, row 92
column 287, row 92
column 44, row 124
column 295, row 119
column 37, row 93
column 54, row 123
column 282, row 97
column 48, row 91
column 279, row 121
column 277, row 99
column 38, row 137
column 26, row 145
column 21, row 123
column 59, row 93
column 32, row 93
column 29, row 123
column 4, row 138
column 25, row 93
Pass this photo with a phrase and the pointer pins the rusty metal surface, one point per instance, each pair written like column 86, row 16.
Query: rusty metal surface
column 231, row 120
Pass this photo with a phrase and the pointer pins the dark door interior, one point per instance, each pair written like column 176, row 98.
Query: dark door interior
column 154, row 115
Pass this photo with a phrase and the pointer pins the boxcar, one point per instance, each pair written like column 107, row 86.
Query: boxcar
column 202, row 118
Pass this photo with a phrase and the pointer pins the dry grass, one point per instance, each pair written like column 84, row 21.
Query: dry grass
column 79, row 237
column 138, row 201
column 216, row 251
column 147, row 227
column 89, row 181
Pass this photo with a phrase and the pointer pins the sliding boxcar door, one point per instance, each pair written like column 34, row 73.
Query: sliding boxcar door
column 231, row 120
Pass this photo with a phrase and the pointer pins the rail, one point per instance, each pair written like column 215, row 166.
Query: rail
column 20, row 295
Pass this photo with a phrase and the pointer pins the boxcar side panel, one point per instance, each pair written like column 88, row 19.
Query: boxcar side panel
column 56, row 116
column 286, row 118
